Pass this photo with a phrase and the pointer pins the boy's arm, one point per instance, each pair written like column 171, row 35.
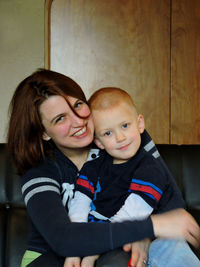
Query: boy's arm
column 134, row 208
column 175, row 199
column 79, row 207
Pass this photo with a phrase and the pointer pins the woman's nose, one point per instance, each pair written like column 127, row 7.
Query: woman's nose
column 76, row 120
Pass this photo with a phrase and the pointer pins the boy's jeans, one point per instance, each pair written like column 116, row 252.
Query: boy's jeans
column 162, row 253
column 171, row 253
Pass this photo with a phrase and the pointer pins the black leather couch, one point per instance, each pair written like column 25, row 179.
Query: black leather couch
column 183, row 161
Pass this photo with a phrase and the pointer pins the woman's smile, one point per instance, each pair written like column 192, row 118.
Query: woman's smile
column 82, row 132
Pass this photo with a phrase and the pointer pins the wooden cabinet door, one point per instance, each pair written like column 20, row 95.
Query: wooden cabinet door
column 185, row 90
column 122, row 43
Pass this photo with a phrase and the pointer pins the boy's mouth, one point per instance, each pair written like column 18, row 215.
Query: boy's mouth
column 124, row 147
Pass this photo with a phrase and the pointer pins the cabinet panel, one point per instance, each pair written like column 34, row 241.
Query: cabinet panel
column 185, row 91
column 123, row 43
column 21, row 49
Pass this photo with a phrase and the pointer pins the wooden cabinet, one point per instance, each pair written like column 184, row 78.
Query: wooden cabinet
column 147, row 47
column 185, row 72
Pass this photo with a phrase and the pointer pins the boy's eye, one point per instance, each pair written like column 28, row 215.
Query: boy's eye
column 107, row 133
column 125, row 125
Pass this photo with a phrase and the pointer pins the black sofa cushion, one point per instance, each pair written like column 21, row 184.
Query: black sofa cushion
column 183, row 161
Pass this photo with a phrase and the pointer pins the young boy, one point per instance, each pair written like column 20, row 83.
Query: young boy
column 125, row 182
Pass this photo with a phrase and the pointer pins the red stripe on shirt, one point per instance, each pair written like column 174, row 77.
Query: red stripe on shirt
column 145, row 189
column 85, row 184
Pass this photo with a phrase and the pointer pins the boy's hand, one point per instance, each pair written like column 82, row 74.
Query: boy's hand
column 72, row 262
column 89, row 261
column 139, row 252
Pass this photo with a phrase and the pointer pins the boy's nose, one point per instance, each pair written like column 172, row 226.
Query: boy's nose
column 120, row 137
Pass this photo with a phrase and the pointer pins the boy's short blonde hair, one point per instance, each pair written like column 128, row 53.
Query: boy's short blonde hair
column 108, row 97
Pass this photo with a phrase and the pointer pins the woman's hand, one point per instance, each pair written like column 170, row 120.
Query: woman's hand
column 76, row 261
column 139, row 252
column 177, row 224
column 89, row 261
column 72, row 262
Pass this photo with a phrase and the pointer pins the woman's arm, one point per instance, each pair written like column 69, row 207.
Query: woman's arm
column 50, row 218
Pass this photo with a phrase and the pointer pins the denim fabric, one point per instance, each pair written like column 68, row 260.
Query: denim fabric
column 171, row 253
column 162, row 253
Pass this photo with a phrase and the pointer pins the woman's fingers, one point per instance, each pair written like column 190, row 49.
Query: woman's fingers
column 192, row 232
column 72, row 262
column 127, row 247
column 177, row 224
column 134, row 259
column 193, row 236
column 89, row 261
column 138, row 260
column 139, row 253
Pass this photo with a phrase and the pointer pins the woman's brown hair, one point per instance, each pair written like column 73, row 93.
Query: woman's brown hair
column 25, row 129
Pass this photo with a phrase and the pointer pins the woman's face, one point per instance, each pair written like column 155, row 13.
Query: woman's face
column 63, row 126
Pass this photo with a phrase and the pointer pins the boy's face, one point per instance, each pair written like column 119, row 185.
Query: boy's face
column 118, row 130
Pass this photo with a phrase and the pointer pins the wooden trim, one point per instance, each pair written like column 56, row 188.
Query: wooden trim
column 47, row 15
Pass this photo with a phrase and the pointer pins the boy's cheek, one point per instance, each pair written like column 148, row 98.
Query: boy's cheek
column 98, row 142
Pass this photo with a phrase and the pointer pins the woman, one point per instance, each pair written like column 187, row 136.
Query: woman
column 49, row 137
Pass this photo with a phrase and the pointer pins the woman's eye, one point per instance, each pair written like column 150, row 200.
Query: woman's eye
column 125, row 125
column 59, row 119
column 107, row 133
column 78, row 104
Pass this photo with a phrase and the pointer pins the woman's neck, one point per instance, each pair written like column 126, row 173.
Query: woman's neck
column 77, row 156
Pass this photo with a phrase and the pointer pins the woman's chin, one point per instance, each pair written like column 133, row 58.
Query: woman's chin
column 84, row 141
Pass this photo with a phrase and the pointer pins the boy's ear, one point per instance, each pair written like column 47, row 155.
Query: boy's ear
column 141, row 123
column 46, row 137
column 98, row 143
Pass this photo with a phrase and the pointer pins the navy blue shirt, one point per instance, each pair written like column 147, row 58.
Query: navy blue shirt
column 109, row 185
column 46, row 189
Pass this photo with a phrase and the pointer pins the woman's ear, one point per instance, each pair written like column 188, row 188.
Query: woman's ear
column 98, row 143
column 46, row 137
column 141, row 123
